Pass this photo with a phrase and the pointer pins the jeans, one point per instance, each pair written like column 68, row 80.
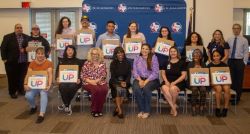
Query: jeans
column 143, row 95
column 31, row 97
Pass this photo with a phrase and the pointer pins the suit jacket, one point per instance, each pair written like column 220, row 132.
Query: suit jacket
column 10, row 47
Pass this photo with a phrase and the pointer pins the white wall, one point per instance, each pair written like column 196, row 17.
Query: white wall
column 241, row 3
column 212, row 15
column 8, row 18
column 41, row 3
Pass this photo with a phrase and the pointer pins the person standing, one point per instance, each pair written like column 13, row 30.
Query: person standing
column 14, row 57
column 82, row 50
column 238, row 57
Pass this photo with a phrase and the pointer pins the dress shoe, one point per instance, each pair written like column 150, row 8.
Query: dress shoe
column 33, row 110
column 22, row 93
column 224, row 112
column 40, row 119
column 115, row 113
column 217, row 112
column 13, row 96
column 121, row 116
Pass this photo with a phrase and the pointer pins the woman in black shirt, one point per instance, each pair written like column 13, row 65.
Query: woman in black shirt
column 218, row 43
column 68, row 90
column 173, row 75
column 216, row 62
column 120, row 69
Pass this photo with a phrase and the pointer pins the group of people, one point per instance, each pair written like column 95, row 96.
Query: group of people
column 144, row 68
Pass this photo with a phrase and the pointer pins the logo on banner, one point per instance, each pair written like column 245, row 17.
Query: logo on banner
column 154, row 27
column 122, row 8
column 93, row 26
column 176, row 27
column 158, row 8
column 86, row 8
column 116, row 27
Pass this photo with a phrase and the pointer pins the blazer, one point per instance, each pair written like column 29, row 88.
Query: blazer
column 10, row 47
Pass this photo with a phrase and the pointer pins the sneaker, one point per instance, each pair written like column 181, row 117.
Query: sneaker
column 140, row 115
column 68, row 110
column 40, row 119
column 61, row 107
column 78, row 97
column 95, row 115
column 100, row 114
column 145, row 115
column 33, row 110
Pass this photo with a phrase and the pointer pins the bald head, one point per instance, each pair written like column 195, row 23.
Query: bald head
column 18, row 29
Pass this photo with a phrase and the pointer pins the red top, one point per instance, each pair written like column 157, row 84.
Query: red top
column 92, row 72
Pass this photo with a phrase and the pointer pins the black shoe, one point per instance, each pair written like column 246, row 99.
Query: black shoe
column 33, row 110
column 95, row 114
column 13, row 96
column 121, row 116
column 100, row 114
column 78, row 98
column 202, row 112
column 39, row 119
column 217, row 112
column 22, row 93
column 224, row 112
column 194, row 113
column 115, row 113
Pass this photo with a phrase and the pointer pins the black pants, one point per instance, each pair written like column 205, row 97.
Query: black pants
column 237, row 72
column 16, row 73
column 68, row 91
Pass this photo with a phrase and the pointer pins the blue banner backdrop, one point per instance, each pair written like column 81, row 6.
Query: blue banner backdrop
column 150, row 15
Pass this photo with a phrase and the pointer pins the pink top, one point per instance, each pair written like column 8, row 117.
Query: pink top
column 90, row 71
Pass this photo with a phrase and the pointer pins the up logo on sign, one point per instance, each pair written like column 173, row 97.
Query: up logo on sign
column 37, row 82
column 62, row 43
column 84, row 39
column 162, row 48
column 154, row 27
column 86, row 8
column 68, row 76
column 199, row 79
column 133, row 47
column 122, row 8
column 221, row 77
column 108, row 49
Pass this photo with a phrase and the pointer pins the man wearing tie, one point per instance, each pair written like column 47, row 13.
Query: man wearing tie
column 238, row 57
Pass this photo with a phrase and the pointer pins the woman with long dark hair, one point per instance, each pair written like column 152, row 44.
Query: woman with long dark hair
column 120, row 69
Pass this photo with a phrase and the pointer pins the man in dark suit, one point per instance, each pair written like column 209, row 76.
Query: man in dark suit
column 14, row 57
